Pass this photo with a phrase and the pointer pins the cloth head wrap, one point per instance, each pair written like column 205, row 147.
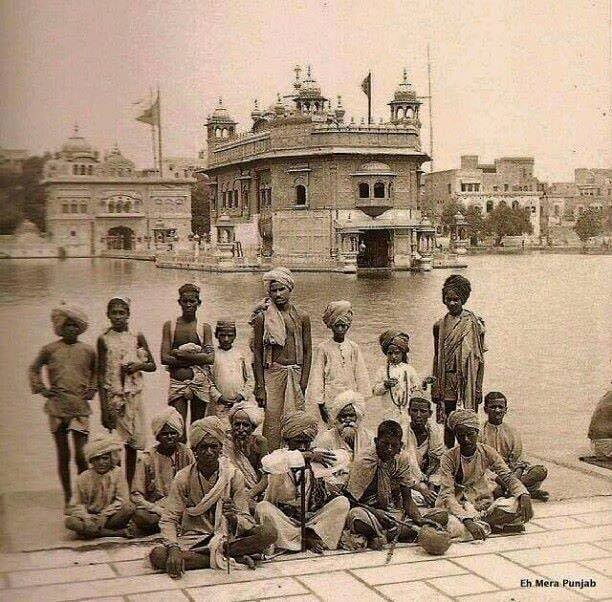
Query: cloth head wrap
column 64, row 312
column 341, row 401
column 102, row 444
column 170, row 417
column 460, row 285
column 255, row 413
column 282, row 275
column 394, row 337
column 298, row 423
column 463, row 418
column 338, row 311
column 190, row 287
column 211, row 426
column 119, row 299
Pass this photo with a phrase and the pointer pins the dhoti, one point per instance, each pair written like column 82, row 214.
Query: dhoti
column 283, row 394
column 327, row 523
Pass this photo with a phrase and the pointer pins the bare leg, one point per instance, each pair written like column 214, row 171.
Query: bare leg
column 83, row 528
column 80, row 439
column 116, row 524
column 449, row 436
column 63, row 460
column 258, row 539
column 180, row 405
column 193, row 560
column 146, row 521
column 130, row 463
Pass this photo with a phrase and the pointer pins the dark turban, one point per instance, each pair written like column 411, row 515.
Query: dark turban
column 298, row 423
column 394, row 337
column 190, row 287
column 460, row 285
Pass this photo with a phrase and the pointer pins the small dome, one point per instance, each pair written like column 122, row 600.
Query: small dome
column 279, row 107
column 256, row 112
column 309, row 87
column 221, row 113
column 375, row 167
column 115, row 159
column 76, row 145
column 405, row 91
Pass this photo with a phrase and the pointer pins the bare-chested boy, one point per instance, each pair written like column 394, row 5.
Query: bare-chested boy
column 71, row 372
column 187, row 351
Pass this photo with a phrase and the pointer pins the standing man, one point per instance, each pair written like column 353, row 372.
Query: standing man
column 187, row 351
column 282, row 349
column 459, row 348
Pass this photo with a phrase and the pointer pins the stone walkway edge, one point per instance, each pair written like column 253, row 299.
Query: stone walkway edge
column 566, row 540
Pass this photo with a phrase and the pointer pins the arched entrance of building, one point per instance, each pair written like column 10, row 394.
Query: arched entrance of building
column 120, row 238
column 374, row 246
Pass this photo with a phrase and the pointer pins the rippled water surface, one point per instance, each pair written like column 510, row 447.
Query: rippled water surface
column 548, row 334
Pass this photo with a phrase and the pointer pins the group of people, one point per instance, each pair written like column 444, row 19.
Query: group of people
column 277, row 454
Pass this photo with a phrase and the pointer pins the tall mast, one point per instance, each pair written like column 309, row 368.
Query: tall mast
column 431, row 144
column 159, row 133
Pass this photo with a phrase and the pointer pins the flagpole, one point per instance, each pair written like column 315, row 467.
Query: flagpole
column 153, row 144
column 159, row 134
column 370, row 100
column 431, row 164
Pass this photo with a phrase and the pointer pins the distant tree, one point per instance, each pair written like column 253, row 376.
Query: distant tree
column 474, row 218
column 10, row 213
column 507, row 221
column 200, row 208
column 588, row 224
column 449, row 210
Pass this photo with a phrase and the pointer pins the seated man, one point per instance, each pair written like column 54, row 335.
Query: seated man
column 346, row 431
column 506, row 441
column 426, row 446
column 379, row 488
column 156, row 469
column 101, row 504
column 245, row 449
column 281, row 507
column 208, row 497
column 464, row 485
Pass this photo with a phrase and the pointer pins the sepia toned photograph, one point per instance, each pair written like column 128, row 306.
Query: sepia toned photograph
column 305, row 300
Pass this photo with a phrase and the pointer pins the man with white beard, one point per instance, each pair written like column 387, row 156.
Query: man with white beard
column 346, row 431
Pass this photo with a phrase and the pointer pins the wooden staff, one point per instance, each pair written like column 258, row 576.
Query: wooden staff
column 302, row 473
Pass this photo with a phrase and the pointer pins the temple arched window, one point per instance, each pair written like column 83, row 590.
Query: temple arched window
column 65, row 208
column 236, row 203
column 111, row 207
column 379, row 190
column 83, row 172
column 489, row 206
column 83, row 207
column 127, row 207
column 300, row 195
column 74, row 208
column 515, row 204
column 89, row 170
column 503, row 204
column 364, row 190
column 75, row 169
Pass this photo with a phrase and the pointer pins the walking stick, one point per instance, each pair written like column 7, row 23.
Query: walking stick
column 395, row 539
column 302, row 472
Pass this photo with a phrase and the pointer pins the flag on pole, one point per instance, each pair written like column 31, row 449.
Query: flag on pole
column 150, row 115
column 366, row 85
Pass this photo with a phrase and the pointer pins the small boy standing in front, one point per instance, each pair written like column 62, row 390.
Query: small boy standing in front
column 397, row 380
column 71, row 372
column 506, row 440
column 338, row 364
column 231, row 376
column 101, row 505
column 122, row 358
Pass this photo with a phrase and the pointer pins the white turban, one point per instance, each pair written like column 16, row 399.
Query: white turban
column 210, row 426
column 344, row 399
column 255, row 413
column 282, row 275
column 61, row 314
column 338, row 311
column 102, row 444
column 170, row 417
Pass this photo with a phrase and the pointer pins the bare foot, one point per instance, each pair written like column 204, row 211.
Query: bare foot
column 377, row 543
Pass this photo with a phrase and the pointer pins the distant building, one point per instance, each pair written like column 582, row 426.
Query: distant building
column 95, row 205
column 565, row 201
column 310, row 190
column 508, row 180
column 11, row 160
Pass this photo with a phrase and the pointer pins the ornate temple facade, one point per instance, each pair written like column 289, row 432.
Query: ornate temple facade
column 306, row 189
column 96, row 205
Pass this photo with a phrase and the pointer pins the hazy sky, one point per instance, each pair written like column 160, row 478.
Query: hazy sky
column 509, row 77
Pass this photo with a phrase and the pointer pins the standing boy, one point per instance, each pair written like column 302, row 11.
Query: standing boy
column 101, row 505
column 459, row 348
column 123, row 356
column 338, row 364
column 231, row 376
column 157, row 468
column 282, row 349
column 71, row 373
column 506, row 440
column 187, row 351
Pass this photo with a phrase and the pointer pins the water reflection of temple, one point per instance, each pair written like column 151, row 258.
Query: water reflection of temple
column 96, row 205
column 305, row 188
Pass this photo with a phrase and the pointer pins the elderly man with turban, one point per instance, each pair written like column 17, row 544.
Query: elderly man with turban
column 346, row 431
column 465, row 485
column 208, row 498
column 282, row 350
column 156, row 469
column 397, row 380
column 245, row 449
column 338, row 363
column 325, row 515
column 71, row 384
column 458, row 364
column 101, row 506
